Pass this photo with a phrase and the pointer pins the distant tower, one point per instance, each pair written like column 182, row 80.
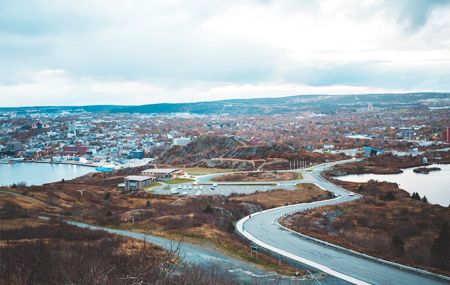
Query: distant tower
column 369, row 107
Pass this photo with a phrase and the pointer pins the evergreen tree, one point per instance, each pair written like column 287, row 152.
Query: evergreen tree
column 208, row 209
column 230, row 227
column 424, row 199
column 415, row 196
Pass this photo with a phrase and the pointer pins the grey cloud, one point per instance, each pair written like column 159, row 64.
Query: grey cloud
column 413, row 14
column 373, row 74
column 153, row 42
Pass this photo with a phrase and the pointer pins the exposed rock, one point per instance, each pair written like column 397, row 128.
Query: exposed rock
column 229, row 152
column 250, row 208
column 224, row 213
column 227, row 163
column 204, row 147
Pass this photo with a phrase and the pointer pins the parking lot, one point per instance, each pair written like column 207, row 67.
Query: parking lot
column 219, row 189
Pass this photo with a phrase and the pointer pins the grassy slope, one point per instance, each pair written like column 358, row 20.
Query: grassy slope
column 179, row 181
column 204, row 171
column 277, row 198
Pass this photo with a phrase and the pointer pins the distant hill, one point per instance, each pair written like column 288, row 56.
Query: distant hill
column 314, row 103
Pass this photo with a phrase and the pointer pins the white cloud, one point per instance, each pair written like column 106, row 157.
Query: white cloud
column 99, row 52
column 56, row 88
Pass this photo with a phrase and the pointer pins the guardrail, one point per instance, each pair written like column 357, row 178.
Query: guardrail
column 360, row 254
column 241, row 230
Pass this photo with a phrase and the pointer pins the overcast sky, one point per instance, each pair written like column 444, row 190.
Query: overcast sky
column 62, row 52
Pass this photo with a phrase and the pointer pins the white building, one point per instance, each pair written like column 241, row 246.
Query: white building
column 163, row 173
column 181, row 141
column 328, row 146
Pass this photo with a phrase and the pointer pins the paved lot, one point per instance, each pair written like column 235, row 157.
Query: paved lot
column 203, row 186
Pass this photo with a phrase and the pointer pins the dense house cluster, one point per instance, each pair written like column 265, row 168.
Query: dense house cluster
column 118, row 138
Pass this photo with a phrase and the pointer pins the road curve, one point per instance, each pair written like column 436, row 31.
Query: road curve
column 264, row 230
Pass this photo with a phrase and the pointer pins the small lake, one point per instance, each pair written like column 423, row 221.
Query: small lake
column 435, row 185
column 40, row 173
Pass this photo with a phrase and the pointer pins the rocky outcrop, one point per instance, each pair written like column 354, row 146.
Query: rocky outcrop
column 228, row 163
column 260, row 152
column 229, row 152
column 204, row 147
column 250, row 208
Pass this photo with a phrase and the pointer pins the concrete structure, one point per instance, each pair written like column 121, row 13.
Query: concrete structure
column 135, row 182
column 162, row 173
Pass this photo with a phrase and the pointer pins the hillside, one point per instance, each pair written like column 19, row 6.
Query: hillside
column 228, row 152
column 204, row 147
column 255, row 106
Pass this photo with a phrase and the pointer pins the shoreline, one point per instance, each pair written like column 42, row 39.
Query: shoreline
column 391, row 173
column 436, row 195
column 53, row 162
column 49, row 177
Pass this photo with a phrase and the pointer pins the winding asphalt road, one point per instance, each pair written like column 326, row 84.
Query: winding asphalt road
column 264, row 230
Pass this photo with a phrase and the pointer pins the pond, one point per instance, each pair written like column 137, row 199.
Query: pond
column 435, row 185
column 40, row 173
